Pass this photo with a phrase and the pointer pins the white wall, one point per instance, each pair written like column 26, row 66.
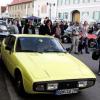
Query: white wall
column 37, row 8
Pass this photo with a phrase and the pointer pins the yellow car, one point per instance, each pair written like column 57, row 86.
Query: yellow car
column 40, row 65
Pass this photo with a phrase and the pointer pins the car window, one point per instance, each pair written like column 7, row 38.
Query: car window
column 7, row 39
column 11, row 42
column 36, row 44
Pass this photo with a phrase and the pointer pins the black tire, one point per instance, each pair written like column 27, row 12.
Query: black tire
column 92, row 43
column 19, row 83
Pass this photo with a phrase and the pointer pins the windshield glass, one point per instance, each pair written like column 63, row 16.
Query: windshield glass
column 38, row 44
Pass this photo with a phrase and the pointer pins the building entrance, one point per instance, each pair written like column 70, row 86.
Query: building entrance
column 76, row 16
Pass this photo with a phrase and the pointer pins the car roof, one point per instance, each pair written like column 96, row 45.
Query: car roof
column 31, row 35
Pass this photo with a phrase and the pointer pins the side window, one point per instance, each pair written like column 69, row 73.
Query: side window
column 11, row 42
column 18, row 46
column 7, row 40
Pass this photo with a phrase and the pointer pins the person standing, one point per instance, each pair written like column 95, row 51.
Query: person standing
column 75, row 37
column 31, row 29
column 48, row 28
column 57, row 31
column 85, row 29
column 28, row 28
column 96, row 56
column 15, row 27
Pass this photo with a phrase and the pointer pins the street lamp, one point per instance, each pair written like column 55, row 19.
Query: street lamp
column 50, row 4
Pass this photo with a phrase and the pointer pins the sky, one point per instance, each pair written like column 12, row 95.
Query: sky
column 5, row 2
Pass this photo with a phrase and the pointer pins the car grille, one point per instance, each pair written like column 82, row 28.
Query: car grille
column 61, row 85
column 68, row 85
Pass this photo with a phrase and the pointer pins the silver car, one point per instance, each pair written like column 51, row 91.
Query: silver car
column 3, row 32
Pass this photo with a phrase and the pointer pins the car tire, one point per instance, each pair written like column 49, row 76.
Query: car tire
column 92, row 43
column 19, row 83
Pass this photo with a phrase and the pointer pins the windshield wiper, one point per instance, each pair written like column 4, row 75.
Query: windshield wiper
column 31, row 51
column 54, row 51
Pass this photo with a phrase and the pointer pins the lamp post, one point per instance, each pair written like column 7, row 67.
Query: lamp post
column 50, row 5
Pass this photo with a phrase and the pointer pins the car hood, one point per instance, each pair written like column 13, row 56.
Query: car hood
column 54, row 66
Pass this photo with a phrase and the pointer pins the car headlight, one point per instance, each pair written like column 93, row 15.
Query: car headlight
column 90, row 83
column 82, row 84
column 52, row 86
column 39, row 87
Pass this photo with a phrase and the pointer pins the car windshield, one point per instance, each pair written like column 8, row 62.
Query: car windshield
column 38, row 44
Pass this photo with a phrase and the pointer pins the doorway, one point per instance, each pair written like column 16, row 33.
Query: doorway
column 75, row 16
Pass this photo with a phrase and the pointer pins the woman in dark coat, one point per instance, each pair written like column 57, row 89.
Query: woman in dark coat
column 28, row 28
column 48, row 28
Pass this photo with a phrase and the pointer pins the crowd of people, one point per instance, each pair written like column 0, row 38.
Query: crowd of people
column 79, row 31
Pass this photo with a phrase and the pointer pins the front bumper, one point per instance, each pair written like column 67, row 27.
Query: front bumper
column 62, row 85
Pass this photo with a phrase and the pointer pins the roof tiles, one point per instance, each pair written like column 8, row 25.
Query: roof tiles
column 19, row 1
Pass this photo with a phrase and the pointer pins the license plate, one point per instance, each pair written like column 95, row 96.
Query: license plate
column 67, row 91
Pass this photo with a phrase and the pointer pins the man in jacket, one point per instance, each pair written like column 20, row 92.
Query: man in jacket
column 96, row 56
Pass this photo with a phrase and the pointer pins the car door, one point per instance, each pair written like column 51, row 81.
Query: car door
column 9, row 53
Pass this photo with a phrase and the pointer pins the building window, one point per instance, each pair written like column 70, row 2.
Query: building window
column 76, row 1
column 29, row 5
column 65, row 15
column 96, row 0
column 96, row 15
column 85, row 13
column 59, row 2
column 59, row 15
column 86, row 1
column 21, row 6
column 25, row 6
column 67, row 2
column 18, row 6
column 44, row 9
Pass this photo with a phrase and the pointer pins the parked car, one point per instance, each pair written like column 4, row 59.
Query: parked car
column 40, row 65
column 2, row 22
column 3, row 32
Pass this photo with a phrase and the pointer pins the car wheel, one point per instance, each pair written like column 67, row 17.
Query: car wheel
column 19, row 83
column 92, row 43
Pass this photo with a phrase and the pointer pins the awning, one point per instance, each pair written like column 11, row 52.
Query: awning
column 33, row 18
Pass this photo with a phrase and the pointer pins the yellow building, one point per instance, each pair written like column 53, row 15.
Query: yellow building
column 20, row 8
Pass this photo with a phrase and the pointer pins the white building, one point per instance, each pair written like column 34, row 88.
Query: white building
column 45, row 8
column 79, row 10
column 71, row 10
column 21, row 8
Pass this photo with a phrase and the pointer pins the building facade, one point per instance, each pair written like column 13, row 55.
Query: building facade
column 45, row 8
column 70, row 10
column 20, row 8
column 78, row 10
